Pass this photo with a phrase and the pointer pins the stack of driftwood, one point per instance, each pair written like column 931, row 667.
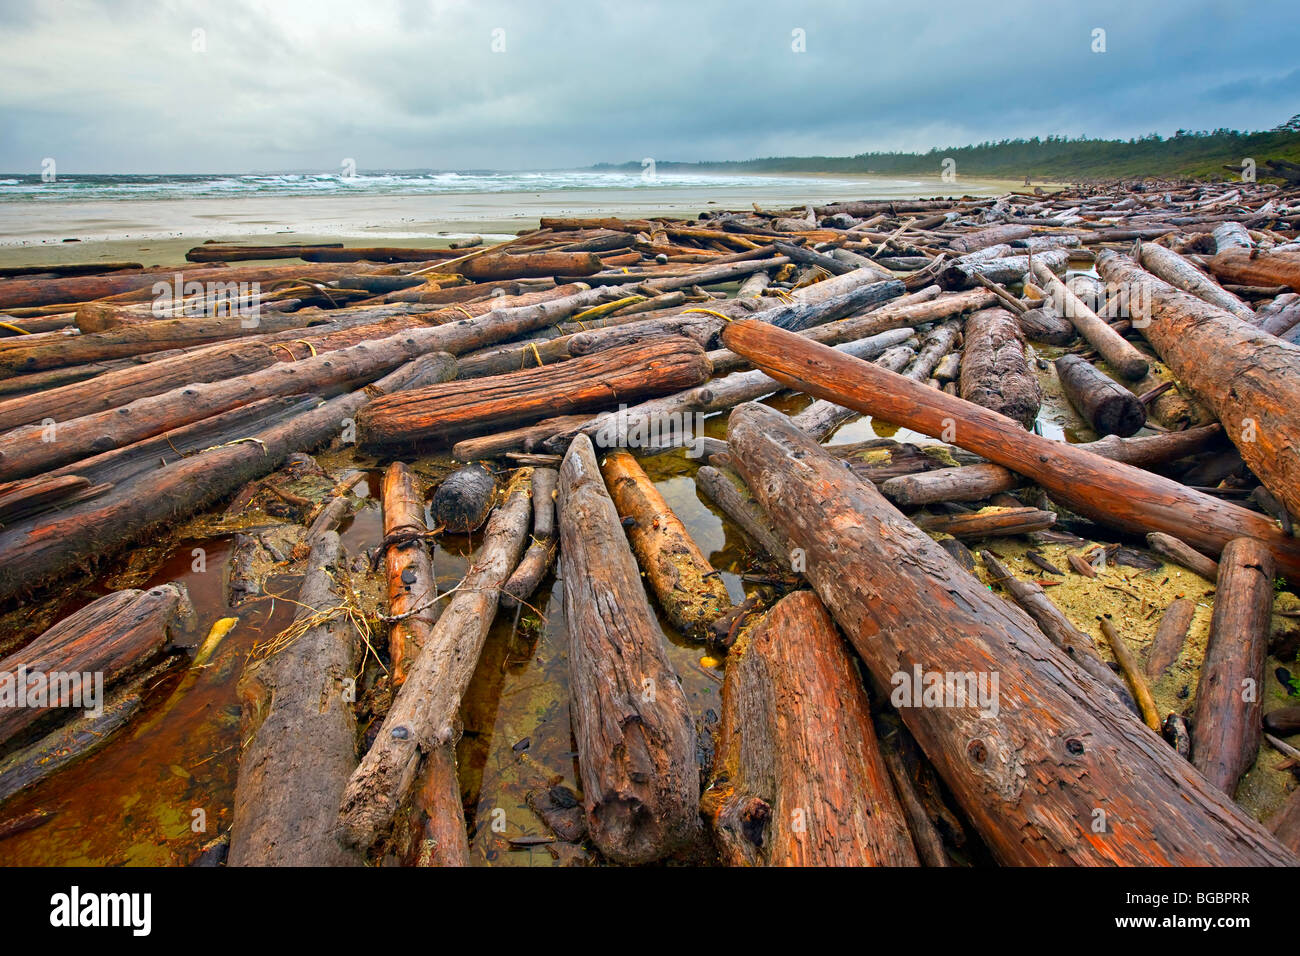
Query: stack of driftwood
column 1167, row 316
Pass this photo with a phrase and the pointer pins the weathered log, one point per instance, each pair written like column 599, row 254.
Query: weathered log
column 991, row 522
column 1170, row 634
column 798, row 779
column 1251, row 380
column 1032, row 773
column 1283, row 721
column 412, row 588
column 1104, row 490
column 726, row 490
column 1181, row 274
column 539, row 557
column 689, row 590
column 967, row 271
column 1109, row 407
column 526, row 438
column 1226, row 721
column 1231, row 235
column 1251, row 267
column 32, row 551
column 1045, row 324
column 299, row 731
column 68, row 666
column 34, row 448
column 994, row 370
column 441, row 413
column 631, row 720
column 1119, row 354
column 1078, row 646
column 963, row 483
column 938, row 343
column 992, row 236
column 424, row 712
column 463, row 499
column 1179, row 552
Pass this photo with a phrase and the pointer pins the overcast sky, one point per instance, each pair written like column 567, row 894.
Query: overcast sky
column 130, row 86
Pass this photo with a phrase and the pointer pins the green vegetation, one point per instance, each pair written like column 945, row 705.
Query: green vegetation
column 1186, row 154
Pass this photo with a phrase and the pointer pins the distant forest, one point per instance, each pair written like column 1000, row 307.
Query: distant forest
column 1193, row 154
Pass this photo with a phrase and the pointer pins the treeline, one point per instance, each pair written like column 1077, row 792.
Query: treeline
column 1198, row 154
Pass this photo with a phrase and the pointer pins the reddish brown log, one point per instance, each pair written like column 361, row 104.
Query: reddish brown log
column 1170, row 634
column 798, row 778
column 1253, row 267
column 411, row 584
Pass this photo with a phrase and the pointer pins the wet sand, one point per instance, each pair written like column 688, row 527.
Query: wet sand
column 161, row 231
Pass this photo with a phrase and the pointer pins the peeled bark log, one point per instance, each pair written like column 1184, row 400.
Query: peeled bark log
column 70, row 664
column 412, row 587
column 424, row 712
column 1181, row 274
column 994, row 370
column 1109, row 407
column 687, row 587
column 636, row 741
column 1253, row 267
column 441, row 413
column 1170, row 634
column 1032, row 775
column 1088, row 484
column 1226, row 722
column 798, row 779
column 300, row 733
column 1251, row 380
column 1127, row 361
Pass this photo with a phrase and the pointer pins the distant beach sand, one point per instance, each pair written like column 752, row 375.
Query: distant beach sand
column 160, row 231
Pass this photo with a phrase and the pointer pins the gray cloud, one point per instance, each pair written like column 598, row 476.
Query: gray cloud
column 118, row 87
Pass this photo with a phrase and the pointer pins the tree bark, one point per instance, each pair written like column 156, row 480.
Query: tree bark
column 1252, row 267
column 994, row 370
column 798, row 778
column 636, row 741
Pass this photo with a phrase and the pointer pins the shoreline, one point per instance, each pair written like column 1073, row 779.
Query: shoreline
column 160, row 232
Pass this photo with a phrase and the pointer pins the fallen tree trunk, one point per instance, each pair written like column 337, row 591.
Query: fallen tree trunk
column 1254, row 267
column 1031, row 771
column 994, row 370
column 1251, row 380
column 424, row 715
column 1181, row 274
column 299, row 730
column 1119, row 354
column 412, row 588
column 1226, row 722
column 441, row 413
column 1109, row 407
column 631, row 720
column 1104, row 490
column 68, row 666
column 687, row 587
column 798, row 778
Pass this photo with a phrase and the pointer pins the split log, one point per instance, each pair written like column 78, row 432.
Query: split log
column 1107, row 491
column 1226, row 722
column 299, row 730
column 32, row 551
column 412, row 588
column 798, row 778
column 1030, row 775
column 1179, row 552
column 1119, row 354
column 1170, row 634
column 424, row 712
column 994, row 370
column 1249, row 379
column 1076, row 645
column 1109, row 407
column 539, row 557
column 689, row 590
column 1181, row 274
column 444, row 412
column 68, row 666
column 631, row 720
column 463, row 499
column 1253, row 267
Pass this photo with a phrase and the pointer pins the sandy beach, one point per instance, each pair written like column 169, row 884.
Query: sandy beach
column 160, row 231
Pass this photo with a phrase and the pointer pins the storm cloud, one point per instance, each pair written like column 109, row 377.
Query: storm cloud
column 242, row 85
